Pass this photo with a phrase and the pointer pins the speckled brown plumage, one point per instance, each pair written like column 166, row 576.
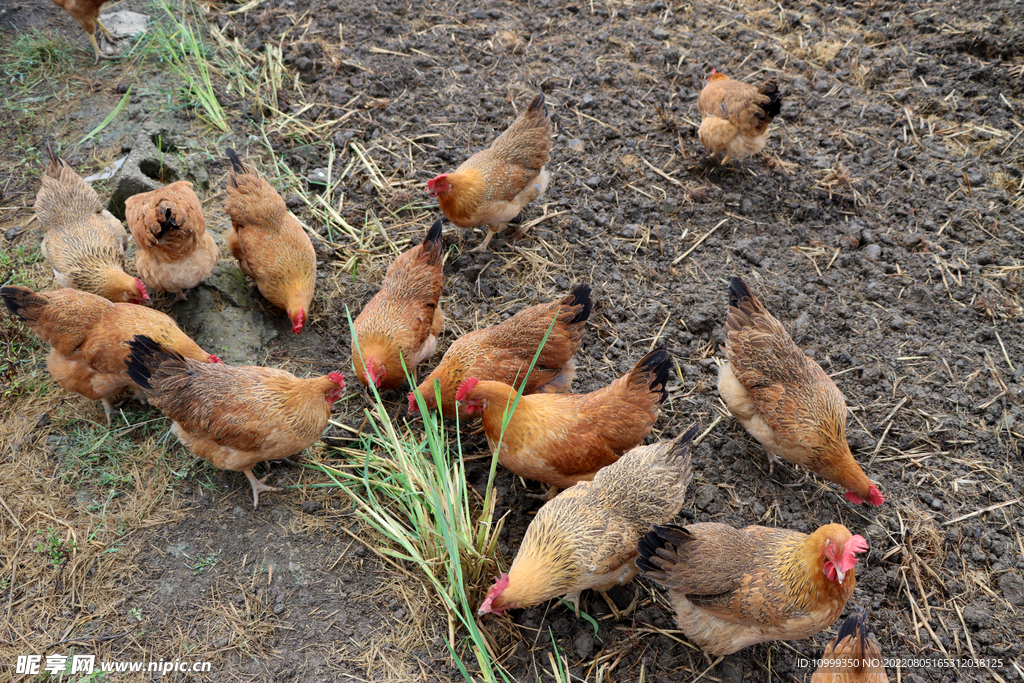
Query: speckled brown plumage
column 853, row 656
column 503, row 352
column 735, row 116
column 562, row 439
column 269, row 242
column 83, row 243
column 403, row 319
column 737, row 587
column 784, row 399
column 585, row 538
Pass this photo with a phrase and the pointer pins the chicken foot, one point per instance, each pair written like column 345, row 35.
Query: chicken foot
column 257, row 486
column 491, row 232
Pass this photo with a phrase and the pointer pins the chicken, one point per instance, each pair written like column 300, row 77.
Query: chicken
column 234, row 417
column 735, row 116
column 402, row 320
column 853, row 656
column 175, row 250
column 83, row 243
column 492, row 186
column 87, row 14
column 732, row 588
column 503, row 353
column 269, row 243
column 562, row 439
column 784, row 399
column 586, row 537
column 88, row 338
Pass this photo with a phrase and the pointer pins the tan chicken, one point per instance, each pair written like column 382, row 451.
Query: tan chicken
column 735, row 116
column 853, row 656
column 83, row 243
column 503, row 353
column 562, row 439
column 403, row 319
column 492, row 186
column 234, row 417
column 175, row 250
column 586, row 537
column 269, row 243
column 732, row 588
column 87, row 14
column 88, row 338
column 784, row 399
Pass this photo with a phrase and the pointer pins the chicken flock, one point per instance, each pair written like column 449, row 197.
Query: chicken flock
column 729, row 588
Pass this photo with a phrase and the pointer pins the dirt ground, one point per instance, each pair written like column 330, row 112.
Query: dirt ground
column 881, row 224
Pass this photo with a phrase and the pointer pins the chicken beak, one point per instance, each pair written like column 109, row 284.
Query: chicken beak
column 840, row 574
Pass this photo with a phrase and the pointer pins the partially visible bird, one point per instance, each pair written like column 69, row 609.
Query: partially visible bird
column 735, row 116
column 853, row 656
column 87, row 14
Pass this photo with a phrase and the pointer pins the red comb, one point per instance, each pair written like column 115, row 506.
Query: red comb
column 465, row 388
column 214, row 359
column 855, row 545
column 337, row 378
column 413, row 408
column 875, row 496
column 496, row 590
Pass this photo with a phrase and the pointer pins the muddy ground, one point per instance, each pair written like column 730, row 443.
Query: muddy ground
column 882, row 225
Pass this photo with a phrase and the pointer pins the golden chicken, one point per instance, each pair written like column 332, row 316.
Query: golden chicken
column 492, row 186
column 88, row 338
column 735, row 116
column 269, row 243
column 234, row 417
column 562, row 439
column 403, row 319
column 175, row 250
column 503, row 353
column 586, row 537
column 853, row 656
column 87, row 14
column 732, row 588
column 784, row 399
column 83, row 243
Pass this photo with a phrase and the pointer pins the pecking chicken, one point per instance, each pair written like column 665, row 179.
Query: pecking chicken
column 784, row 399
column 83, row 243
column 853, row 656
column 87, row 14
column 503, row 353
column 735, row 116
column 732, row 588
column 402, row 320
column 561, row 439
column 234, row 417
column 175, row 250
column 492, row 186
column 269, row 243
column 586, row 537
column 88, row 338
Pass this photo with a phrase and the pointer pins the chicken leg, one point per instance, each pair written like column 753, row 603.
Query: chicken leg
column 491, row 232
column 257, row 486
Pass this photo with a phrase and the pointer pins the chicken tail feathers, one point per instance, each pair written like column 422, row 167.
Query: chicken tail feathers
column 148, row 359
column 581, row 295
column 681, row 444
column 23, row 303
column 774, row 104
column 236, row 164
column 738, row 292
column 856, row 625
column 537, row 108
column 55, row 162
column 657, row 363
column 657, row 550
column 432, row 243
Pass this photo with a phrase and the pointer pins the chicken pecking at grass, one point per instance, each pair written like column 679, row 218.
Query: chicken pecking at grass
column 87, row 14
column 503, row 353
column 853, row 656
column 492, row 186
column 176, row 252
column 403, row 319
column 269, row 242
column 735, row 116
column 784, row 399
column 234, row 417
column 83, row 243
column 88, row 338
column 562, row 439
column 585, row 538
column 732, row 588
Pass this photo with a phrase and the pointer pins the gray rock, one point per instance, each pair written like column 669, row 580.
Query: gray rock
column 659, row 34
column 195, row 168
column 705, row 496
column 977, row 617
column 232, row 284
column 13, row 232
column 1012, row 587
column 237, row 335
column 584, row 643
column 310, row 506
column 576, row 145
column 872, row 251
column 145, row 169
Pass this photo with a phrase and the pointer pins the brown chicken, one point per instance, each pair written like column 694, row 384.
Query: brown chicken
column 492, row 186
column 87, row 14
column 586, row 537
column 83, row 243
column 853, row 656
column 175, row 250
column 234, row 417
column 732, row 588
column 88, row 338
column 269, row 243
column 735, row 116
column 503, row 353
column 784, row 399
column 402, row 320
column 562, row 439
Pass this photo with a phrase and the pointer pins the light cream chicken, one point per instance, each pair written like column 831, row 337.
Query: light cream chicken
column 736, row 116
